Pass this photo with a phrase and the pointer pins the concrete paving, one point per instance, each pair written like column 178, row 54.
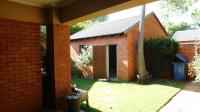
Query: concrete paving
column 187, row 100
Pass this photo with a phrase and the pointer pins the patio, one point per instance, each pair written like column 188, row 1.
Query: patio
column 187, row 100
column 20, row 61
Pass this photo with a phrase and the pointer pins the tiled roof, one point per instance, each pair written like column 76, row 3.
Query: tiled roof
column 107, row 28
column 187, row 35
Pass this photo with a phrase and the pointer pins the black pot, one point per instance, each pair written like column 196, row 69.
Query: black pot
column 73, row 104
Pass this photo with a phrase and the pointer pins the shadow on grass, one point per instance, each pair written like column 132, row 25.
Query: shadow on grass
column 88, row 83
column 89, row 109
column 167, row 82
column 163, row 82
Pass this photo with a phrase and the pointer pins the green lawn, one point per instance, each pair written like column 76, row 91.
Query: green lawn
column 127, row 97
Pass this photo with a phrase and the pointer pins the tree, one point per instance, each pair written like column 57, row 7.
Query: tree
column 177, row 6
column 100, row 19
column 173, row 28
column 82, row 25
column 196, row 17
column 142, row 72
column 170, row 8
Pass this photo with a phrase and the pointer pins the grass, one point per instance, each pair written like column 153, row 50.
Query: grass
column 127, row 97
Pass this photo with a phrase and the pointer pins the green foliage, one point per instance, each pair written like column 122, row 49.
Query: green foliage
column 74, row 69
column 76, row 28
column 170, row 8
column 43, row 36
column 159, row 54
column 196, row 17
column 82, row 25
column 196, row 65
column 173, row 8
column 100, row 19
column 194, row 68
column 82, row 68
column 177, row 6
column 173, row 28
column 86, row 55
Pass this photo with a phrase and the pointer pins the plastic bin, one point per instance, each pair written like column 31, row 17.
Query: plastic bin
column 179, row 70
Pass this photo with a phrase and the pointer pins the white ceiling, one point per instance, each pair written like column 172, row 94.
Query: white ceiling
column 45, row 3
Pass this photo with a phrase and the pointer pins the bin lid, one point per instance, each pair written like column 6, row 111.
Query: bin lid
column 181, row 57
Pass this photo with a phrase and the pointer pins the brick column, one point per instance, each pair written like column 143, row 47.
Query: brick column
column 59, row 71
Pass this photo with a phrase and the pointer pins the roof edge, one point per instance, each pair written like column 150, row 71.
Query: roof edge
column 150, row 14
column 122, row 33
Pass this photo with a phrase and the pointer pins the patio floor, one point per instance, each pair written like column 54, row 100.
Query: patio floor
column 187, row 100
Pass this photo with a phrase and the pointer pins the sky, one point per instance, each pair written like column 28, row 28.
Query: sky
column 149, row 8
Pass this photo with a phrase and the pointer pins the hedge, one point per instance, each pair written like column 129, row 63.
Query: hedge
column 159, row 54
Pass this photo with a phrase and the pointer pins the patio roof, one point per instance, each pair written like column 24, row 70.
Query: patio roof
column 45, row 3
column 68, row 11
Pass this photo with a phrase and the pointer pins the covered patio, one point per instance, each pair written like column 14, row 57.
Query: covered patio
column 20, row 50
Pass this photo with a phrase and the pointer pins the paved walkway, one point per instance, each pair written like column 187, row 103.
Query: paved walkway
column 187, row 100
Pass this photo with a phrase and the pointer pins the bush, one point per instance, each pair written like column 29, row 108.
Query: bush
column 74, row 69
column 86, row 55
column 194, row 68
column 159, row 54
column 83, row 67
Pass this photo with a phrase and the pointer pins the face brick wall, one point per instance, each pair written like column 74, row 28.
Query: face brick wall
column 20, row 76
column 126, row 46
column 187, row 49
column 120, row 41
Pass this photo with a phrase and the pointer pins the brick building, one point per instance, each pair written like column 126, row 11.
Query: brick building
column 114, row 45
column 189, row 42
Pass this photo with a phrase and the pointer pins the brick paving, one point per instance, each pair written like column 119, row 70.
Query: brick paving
column 187, row 100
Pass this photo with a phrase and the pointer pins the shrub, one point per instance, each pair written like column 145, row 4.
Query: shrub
column 74, row 69
column 194, row 68
column 190, row 71
column 86, row 55
column 196, row 64
column 83, row 67
column 159, row 54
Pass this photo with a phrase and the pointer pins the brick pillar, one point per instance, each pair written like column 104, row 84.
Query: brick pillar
column 59, row 71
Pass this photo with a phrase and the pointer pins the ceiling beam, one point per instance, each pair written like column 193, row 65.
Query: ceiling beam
column 16, row 11
column 86, row 9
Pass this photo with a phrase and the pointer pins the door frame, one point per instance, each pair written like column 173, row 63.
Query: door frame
column 107, row 60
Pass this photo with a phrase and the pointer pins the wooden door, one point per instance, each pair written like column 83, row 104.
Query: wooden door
column 99, row 62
